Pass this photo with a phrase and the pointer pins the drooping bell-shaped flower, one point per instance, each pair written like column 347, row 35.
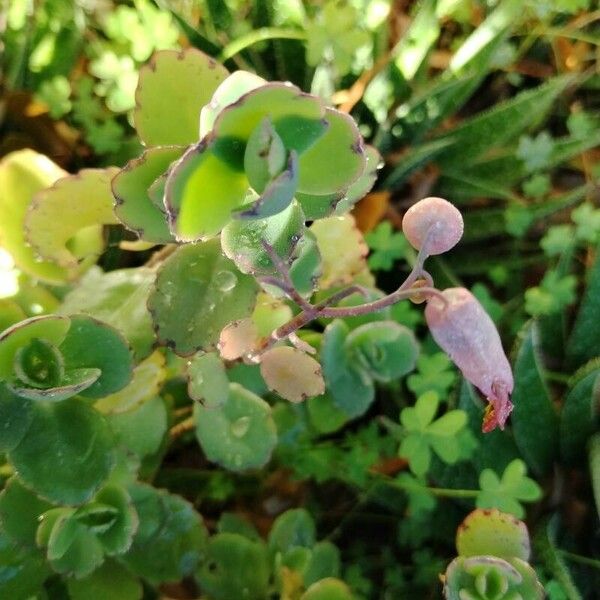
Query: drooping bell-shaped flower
column 462, row 328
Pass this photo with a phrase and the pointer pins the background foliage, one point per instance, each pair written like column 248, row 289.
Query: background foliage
column 493, row 105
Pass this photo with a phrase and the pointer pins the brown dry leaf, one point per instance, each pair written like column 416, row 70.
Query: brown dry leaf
column 371, row 210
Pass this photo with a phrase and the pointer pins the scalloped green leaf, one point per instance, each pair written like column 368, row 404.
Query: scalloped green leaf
column 291, row 373
column 91, row 344
column 117, row 536
column 207, row 380
column 84, row 203
column 172, row 89
column 20, row 510
column 119, row 299
column 341, row 140
column 234, row 567
column 201, row 191
column 22, row 174
column 22, row 572
column 293, row 528
column 296, row 116
column 493, row 533
column 351, row 389
column 74, row 382
column 238, row 435
column 385, row 349
column 171, row 537
column 324, row 415
column 16, row 414
column 329, row 588
column 131, row 189
column 110, row 580
column 67, row 452
column 306, row 265
column 198, row 292
column 242, row 241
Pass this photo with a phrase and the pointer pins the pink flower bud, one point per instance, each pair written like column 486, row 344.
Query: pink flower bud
column 463, row 329
column 435, row 223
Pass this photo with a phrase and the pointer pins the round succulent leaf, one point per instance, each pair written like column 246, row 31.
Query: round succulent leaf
column 242, row 240
column 324, row 415
column 80, row 203
column 72, row 548
column 229, row 91
column 336, row 160
column 110, row 580
column 265, row 156
column 171, row 537
column 22, row 571
column 269, row 314
column 319, row 206
column 67, row 452
column 141, row 429
column 10, row 312
column 172, row 89
column 489, row 531
column 296, row 116
column 238, row 435
column 234, row 567
column 207, row 380
column 277, row 195
column 20, row 509
column 130, row 187
column 118, row 536
column 39, row 364
column 16, row 414
column 483, row 577
column 198, row 292
column 201, row 191
column 91, row 344
column 237, row 339
column 385, row 349
column 22, row 175
column 291, row 529
column 50, row 328
column 324, row 562
column 306, row 267
column 74, row 382
column 119, row 299
column 328, row 589
column 145, row 384
column 363, row 185
column 343, row 250
column 350, row 388
column 291, row 373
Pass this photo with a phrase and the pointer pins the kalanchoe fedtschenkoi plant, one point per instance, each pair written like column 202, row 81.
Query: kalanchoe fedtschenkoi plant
column 492, row 563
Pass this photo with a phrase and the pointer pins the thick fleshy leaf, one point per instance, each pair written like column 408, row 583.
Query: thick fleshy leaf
column 291, row 373
column 22, row 572
column 234, row 567
column 293, row 528
column 237, row 339
column 493, row 533
column 198, row 291
column 324, row 415
column 242, row 240
column 336, row 160
column 16, row 414
column 343, row 249
column 171, row 537
column 119, row 299
column 172, row 89
column 306, row 264
column 277, row 195
column 350, row 388
column 111, row 580
column 77, row 204
column 207, row 380
column 328, row 589
column 22, row 175
column 130, row 187
column 20, row 510
column 363, row 184
column 270, row 313
column 385, row 349
column 116, row 538
column 67, row 452
column 229, row 91
column 238, row 435
column 91, row 344
column 296, row 116
column 319, row 206
column 145, row 384
column 74, row 382
column 201, row 191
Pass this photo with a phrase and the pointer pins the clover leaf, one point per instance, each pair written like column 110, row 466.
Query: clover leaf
column 435, row 374
column 386, row 247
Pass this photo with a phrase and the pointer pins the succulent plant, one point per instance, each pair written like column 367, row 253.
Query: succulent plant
column 493, row 550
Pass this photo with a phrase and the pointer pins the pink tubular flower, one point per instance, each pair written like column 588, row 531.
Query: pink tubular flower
column 466, row 333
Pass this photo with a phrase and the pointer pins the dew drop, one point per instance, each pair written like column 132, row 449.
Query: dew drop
column 225, row 280
column 240, row 427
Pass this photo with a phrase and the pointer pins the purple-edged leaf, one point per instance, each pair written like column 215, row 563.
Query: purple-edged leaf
column 336, row 160
column 172, row 89
column 131, row 189
column 201, row 191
